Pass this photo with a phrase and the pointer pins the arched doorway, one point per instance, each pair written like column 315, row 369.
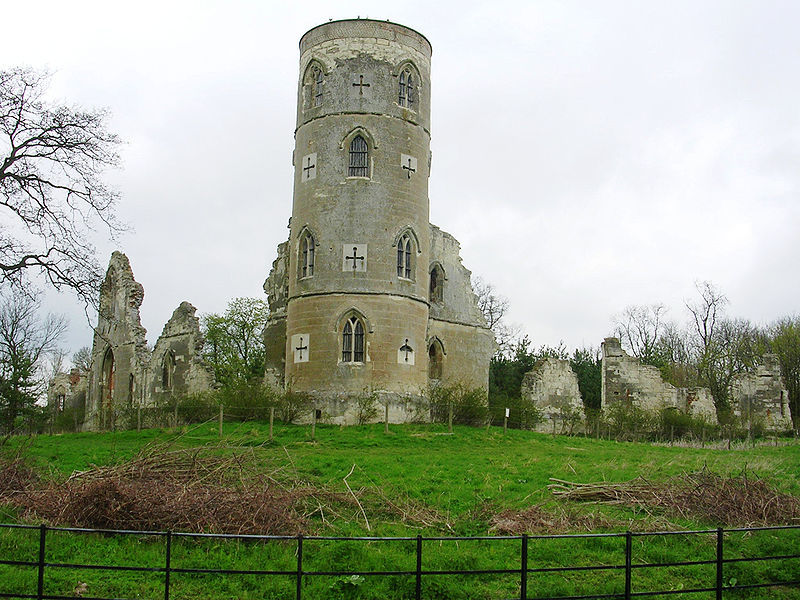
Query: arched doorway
column 435, row 360
column 107, row 390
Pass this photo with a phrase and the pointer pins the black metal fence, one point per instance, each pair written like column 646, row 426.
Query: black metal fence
column 299, row 575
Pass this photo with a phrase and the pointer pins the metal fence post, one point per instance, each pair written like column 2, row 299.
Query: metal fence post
column 40, row 582
column 167, row 565
column 628, row 562
column 418, row 594
column 523, row 583
column 299, row 566
column 719, row 563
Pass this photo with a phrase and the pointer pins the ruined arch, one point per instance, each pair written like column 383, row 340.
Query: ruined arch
column 436, row 283
column 436, row 356
column 314, row 84
column 168, row 371
column 107, row 382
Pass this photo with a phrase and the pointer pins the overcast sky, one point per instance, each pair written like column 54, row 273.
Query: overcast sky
column 587, row 155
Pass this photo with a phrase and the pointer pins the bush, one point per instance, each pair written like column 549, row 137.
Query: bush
column 292, row 404
column 366, row 408
column 469, row 405
column 522, row 413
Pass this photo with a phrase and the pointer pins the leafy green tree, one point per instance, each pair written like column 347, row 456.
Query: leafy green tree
column 587, row 364
column 785, row 342
column 234, row 346
column 25, row 342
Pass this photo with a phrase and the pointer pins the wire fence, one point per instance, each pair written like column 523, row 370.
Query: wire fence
column 625, row 572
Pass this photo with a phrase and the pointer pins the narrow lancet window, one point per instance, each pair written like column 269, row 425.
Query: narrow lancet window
column 406, row 92
column 404, row 257
column 307, row 255
column 359, row 157
column 353, row 341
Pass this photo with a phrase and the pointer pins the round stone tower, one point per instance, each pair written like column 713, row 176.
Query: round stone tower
column 359, row 246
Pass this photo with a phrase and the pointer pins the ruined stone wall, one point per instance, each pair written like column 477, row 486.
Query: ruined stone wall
column 456, row 323
column 176, row 366
column 625, row 379
column 277, row 289
column 119, row 348
column 124, row 374
column 551, row 387
column 761, row 396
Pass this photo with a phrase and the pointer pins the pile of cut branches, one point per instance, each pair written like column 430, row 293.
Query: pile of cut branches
column 192, row 490
column 738, row 500
column 211, row 488
column 542, row 520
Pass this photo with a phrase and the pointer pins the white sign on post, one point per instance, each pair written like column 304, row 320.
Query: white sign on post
column 508, row 412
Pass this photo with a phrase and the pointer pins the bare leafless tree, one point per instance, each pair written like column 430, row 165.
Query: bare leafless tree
column 82, row 359
column 494, row 306
column 639, row 329
column 25, row 343
column 52, row 158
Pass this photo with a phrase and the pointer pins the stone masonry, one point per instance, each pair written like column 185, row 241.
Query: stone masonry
column 124, row 373
column 625, row 379
column 366, row 296
column 761, row 396
column 551, row 386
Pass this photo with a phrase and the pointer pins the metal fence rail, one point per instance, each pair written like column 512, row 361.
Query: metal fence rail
column 299, row 574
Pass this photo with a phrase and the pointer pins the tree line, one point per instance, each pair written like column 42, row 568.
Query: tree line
column 710, row 349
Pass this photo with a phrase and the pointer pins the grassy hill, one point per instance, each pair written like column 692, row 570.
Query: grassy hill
column 417, row 479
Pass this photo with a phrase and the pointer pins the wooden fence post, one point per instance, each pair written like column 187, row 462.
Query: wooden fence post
column 221, row 418
column 271, row 420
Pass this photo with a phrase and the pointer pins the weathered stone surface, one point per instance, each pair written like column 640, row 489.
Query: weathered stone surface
column 176, row 366
column 761, row 396
column 552, row 388
column 119, row 348
column 124, row 373
column 625, row 379
column 349, row 87
column 67, row 390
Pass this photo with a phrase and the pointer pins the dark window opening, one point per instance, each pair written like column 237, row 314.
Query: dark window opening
column 359, row 157
column 353, row 341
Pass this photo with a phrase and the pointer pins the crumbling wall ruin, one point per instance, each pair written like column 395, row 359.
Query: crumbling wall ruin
column 119, row 348
column 124, row 373
column 551, row 387
column 176, row 365
column 761, row 396
column 625, row 379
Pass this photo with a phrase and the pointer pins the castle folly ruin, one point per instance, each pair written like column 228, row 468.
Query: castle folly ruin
column 366, row 296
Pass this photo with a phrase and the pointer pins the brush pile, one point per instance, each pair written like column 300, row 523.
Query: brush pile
column 189, row 490
column 211, row 489
column 725, row 501
column 541, row 520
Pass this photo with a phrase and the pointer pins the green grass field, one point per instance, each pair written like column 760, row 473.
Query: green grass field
column 462, row 480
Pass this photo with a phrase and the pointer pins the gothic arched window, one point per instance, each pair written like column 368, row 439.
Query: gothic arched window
column 353, row 340
column 406, row 95
column 404, row 247
column 359, row 158
column 436, row 288
column 313, row 84
column 435, row 360
column 316, row 74
column 167, row 370
column 307, row 246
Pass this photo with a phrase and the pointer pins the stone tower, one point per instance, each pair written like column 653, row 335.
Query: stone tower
column 353, row 290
